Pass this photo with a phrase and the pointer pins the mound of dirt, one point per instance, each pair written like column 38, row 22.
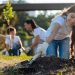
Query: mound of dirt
column 44, row 66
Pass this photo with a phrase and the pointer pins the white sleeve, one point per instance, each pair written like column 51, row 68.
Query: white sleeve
column 36, row 32
column 60, row 20
column 50, row 29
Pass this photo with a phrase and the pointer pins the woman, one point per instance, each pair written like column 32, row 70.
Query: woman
column 36, row 31
column 13, row 42
column 58, row 34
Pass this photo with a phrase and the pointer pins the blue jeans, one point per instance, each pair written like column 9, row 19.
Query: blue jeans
column 15, row 51
column 59, row 46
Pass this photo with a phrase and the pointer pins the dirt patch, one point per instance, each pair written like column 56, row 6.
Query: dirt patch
column 47, row 66
column 7, row 63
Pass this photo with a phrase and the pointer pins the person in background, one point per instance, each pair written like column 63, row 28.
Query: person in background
column 13, row 42
column 37, row 32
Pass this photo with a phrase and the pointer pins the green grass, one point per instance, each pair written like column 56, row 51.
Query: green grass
column 1, row 72
column 12, row 60
column 21, row 57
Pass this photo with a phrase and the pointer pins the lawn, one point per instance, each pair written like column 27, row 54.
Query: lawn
column 9, row 61
column 12, row 60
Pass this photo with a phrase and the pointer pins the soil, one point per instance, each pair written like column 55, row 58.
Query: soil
column 47, row 66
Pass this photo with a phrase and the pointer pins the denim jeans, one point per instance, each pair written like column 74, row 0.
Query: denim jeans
column 60, row 47
column 15, row 51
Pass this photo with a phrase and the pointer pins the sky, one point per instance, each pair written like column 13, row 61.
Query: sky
column 1, row 1
column 51, row 1
column 46, row 1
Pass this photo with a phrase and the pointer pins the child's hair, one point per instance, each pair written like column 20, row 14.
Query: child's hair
column 10, row 29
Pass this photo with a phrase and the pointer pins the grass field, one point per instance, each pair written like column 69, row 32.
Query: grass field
column 21, row 57
column 9, row 61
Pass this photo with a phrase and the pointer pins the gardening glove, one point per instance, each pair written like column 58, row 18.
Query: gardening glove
column 27, row 49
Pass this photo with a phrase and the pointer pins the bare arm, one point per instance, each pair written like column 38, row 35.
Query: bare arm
column 36, row 41
column 53, row 33
column 20, row 42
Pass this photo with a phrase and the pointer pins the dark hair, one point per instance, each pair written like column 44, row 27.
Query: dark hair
column 10, row 29
column 32, row 22
column 69, row 10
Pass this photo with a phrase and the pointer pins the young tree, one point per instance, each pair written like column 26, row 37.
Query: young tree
column 8, row 13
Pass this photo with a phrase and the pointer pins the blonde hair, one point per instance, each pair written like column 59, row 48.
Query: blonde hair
column 10, row 29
